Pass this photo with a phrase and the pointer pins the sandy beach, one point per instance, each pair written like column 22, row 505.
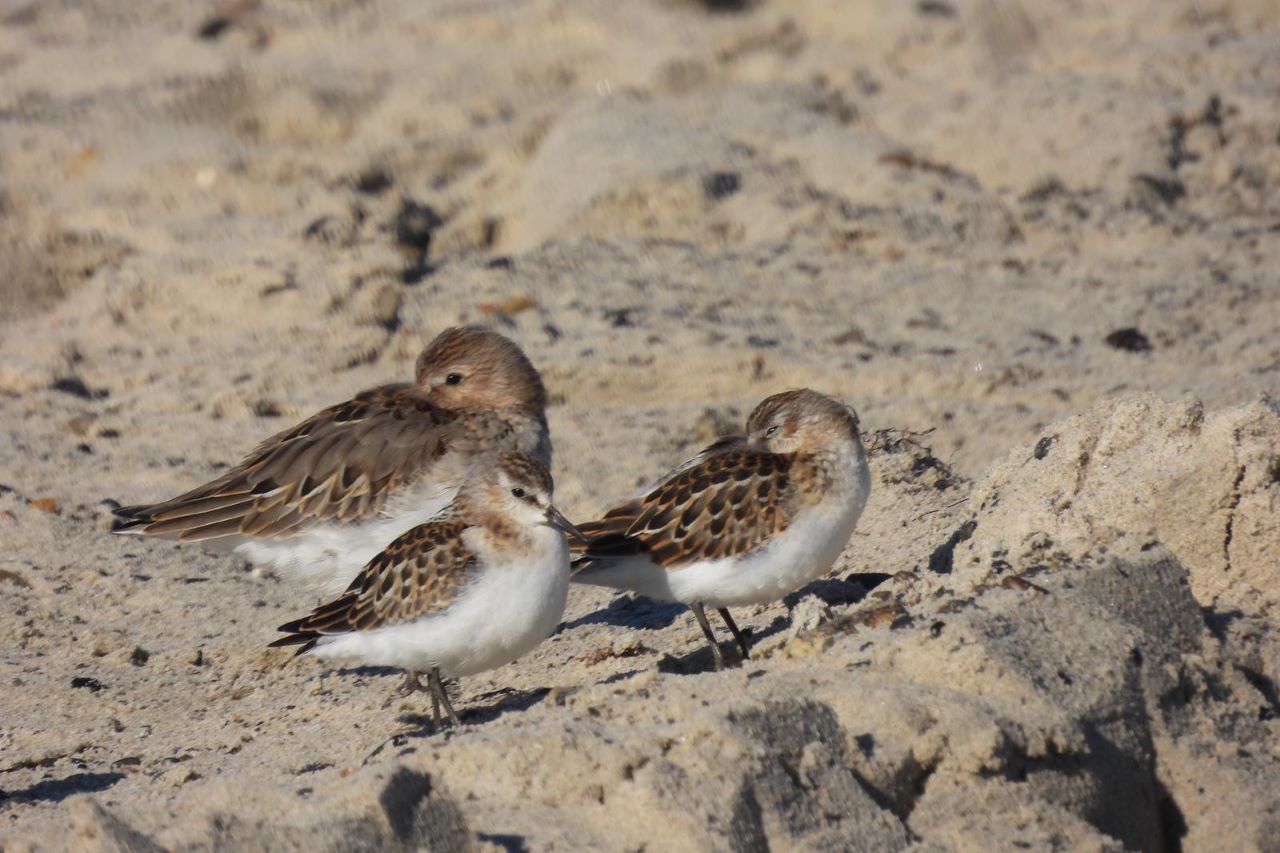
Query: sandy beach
column 1034, row 243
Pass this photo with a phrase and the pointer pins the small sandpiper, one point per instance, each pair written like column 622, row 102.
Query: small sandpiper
column 469, row 591
column 747, row 521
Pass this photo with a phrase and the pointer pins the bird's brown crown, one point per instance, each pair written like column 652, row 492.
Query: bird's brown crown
column 468, row 368
column 801, row 421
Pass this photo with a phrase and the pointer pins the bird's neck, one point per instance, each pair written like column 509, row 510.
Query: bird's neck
column 826, row 471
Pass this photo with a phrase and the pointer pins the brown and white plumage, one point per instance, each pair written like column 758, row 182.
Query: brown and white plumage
column 730, row 503
column 747, row 521
column 320, row 498
column 469, row 591
column 420, row 573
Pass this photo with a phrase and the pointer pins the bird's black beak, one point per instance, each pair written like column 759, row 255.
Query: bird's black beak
column 559, row 522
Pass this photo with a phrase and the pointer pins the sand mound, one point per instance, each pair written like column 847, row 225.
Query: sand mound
column 1205, row 486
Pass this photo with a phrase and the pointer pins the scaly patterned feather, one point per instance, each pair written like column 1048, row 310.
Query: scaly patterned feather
column 340, row 464
column 420, row 573
column 728, row 502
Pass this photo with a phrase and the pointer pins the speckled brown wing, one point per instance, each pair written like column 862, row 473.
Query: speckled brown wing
column 727, row 505
column 619, row 519
column 420, row 573
column 339, row 464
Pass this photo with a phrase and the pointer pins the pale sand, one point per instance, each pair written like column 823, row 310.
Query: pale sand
column 936, row 211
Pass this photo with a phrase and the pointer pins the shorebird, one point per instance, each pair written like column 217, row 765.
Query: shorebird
column 321, row 498
column 470, row 591
column 747, row 521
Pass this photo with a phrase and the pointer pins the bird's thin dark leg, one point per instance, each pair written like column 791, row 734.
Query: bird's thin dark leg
column 410, row 686
column 701, row 616
column 733, row 629
column 437, row 688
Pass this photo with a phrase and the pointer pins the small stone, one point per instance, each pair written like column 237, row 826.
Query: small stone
column 619, row 318
column 1166, row 190
column 1021, row 584
column 414, row 225
column 49, row 505
column 889, row 615
column 721, row 185
column 386, row 305
column 374, row 180
column 267, row 409
column 75, row 386
column 1129, row 339
column 14, row 578
column 935, row 9
column 507, row 307
column 81, row 423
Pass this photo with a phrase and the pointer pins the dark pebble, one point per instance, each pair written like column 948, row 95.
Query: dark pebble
column 314, row 767
column 75, row 386
column 729, row 5
column 619, row 317
column 1167, row 190
column 936, row 9
column 418, row 273
column 373, row 180
column 720, row 185
column 85, row 682
column 317, row 227
column 213, row 28
column 1129, row 339
column 414, row 224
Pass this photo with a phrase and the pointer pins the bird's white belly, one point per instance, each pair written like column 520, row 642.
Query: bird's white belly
column 505, row 612
column 328, row 556
column 803, row 552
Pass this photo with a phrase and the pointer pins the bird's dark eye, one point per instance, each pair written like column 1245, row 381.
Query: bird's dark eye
column 453, row 379
column 517, row 492
column 771, row 431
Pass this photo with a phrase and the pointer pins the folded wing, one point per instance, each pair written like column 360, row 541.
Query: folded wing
column 422, row 572
column 725, row 503
column 340, row 464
